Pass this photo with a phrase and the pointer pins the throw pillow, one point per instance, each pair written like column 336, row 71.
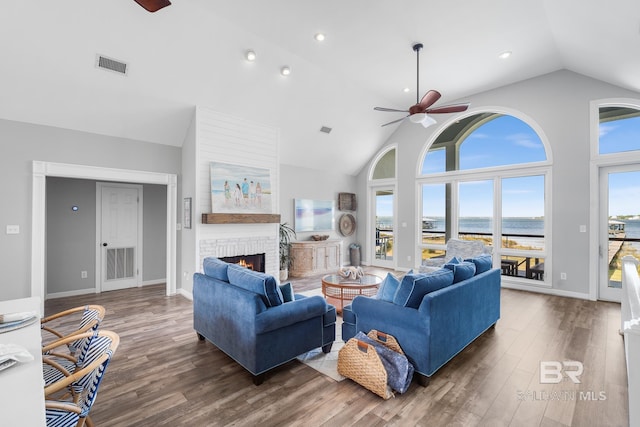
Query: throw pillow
column 388, row 288
column 259, row 283
column 287, row 292
column 216, row 268
column 414, row 287
column 461, row 271
column 483, row 263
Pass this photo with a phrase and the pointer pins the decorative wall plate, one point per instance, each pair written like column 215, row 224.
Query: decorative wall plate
column 347, row 224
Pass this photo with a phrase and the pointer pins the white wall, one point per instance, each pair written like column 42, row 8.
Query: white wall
column 559, row 104
column 21, row 144
column 218, row 137
column 305, row 183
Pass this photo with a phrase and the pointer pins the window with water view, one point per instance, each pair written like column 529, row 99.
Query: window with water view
column 484, row 179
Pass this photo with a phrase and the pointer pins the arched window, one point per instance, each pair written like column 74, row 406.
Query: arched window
column 485, row 178
column 385, row 167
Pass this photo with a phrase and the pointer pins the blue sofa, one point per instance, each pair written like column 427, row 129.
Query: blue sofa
column 246, row 315
column 433, row 316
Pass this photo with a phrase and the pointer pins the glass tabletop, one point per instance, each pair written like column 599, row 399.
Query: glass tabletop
column 367, row 279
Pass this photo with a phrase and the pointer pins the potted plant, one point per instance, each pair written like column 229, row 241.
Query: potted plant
column 286, row 235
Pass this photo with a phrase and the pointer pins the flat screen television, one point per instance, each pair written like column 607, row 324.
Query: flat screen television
column 314, row 215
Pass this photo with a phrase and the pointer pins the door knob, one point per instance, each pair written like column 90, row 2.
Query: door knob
column 104, row 244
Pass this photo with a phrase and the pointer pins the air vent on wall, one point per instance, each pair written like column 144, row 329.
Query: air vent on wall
column 111, row 64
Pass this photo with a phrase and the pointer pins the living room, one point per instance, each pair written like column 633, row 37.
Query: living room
column 159, row 133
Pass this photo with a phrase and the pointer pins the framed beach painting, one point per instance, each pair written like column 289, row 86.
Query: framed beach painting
column 240, row 189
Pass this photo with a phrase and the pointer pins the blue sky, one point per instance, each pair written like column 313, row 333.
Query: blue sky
column 502, row 141
column 508, row 140
column 624, row 188
column 624, row 193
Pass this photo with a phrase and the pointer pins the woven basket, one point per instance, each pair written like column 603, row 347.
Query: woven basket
column 387, row 340
column 360, row 362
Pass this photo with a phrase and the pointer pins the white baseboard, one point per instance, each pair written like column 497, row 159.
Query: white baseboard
column 71, row 293
column 188, row 295
column 153, row 282
column 549, row 291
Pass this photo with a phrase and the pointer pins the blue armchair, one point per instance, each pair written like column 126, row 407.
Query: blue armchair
column 245, row 314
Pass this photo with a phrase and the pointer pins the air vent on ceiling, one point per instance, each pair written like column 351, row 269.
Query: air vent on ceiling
column 111, row 64
column 325, row 129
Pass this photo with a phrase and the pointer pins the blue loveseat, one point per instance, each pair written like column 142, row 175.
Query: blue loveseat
column 433, row 316
column 246, row 315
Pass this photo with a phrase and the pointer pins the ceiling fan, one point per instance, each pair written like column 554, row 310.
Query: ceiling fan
column 419, row 113
column 153, row 5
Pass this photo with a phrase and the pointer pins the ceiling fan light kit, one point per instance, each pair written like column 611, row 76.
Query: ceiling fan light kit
column 417, row 118
column 419, row 113
column 250, row 55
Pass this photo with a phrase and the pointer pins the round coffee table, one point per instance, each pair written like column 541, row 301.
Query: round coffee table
column 338, row 290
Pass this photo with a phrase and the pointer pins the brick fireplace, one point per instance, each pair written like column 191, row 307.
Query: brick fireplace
column 235, row 247
column 253, row 262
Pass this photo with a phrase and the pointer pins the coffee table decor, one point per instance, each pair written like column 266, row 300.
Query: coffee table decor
column 351, row 272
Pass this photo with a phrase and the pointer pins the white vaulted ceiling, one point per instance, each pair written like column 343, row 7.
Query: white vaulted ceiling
column 192, row 53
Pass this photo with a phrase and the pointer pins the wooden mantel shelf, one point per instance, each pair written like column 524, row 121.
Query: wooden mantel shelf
column 235, row 218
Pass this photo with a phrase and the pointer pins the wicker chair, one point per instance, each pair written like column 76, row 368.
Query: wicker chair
column 69, row 400
column 62, row 325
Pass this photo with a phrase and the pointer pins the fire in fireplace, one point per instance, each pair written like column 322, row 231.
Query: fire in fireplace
column 253, row 262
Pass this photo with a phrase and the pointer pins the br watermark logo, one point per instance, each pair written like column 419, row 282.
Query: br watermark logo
column 556, row 372
column 553, row 372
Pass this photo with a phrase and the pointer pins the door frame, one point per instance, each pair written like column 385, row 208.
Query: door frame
column 607, row 294
column 38, row 213
column 372, row 224
column 139, row 238
column 598, row 162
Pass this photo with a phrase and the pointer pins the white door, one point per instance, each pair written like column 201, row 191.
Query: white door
column 619, row 226
column 119, row 236
column 383, row 230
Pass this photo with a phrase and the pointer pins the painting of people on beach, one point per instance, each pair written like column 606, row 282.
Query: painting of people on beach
column 240, row 189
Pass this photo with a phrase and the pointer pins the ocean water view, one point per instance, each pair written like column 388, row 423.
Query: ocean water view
column 515, row 225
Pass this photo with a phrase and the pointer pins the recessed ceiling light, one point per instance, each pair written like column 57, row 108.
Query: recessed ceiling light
column 406, row 90
column 285, row 71
column 319, row 37
column 505, row 54
column 250, row 55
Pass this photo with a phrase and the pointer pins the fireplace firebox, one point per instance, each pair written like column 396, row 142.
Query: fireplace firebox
column 253, row 262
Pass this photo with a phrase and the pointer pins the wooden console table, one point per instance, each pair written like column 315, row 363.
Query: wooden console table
column 311, row 257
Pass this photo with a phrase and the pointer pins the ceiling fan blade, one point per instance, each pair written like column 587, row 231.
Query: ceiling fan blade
column 390, row 109
column 395, row 121
column 454, row 108
column 429, row 99
column 153, row 5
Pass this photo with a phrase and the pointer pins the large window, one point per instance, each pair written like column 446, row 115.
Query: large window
column 484, row 178
column 382, row 223
column 618, row 192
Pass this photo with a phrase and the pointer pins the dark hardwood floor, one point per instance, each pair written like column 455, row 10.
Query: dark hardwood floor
column 162, row 375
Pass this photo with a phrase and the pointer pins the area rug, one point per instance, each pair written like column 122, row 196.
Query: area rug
column 326, row 364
